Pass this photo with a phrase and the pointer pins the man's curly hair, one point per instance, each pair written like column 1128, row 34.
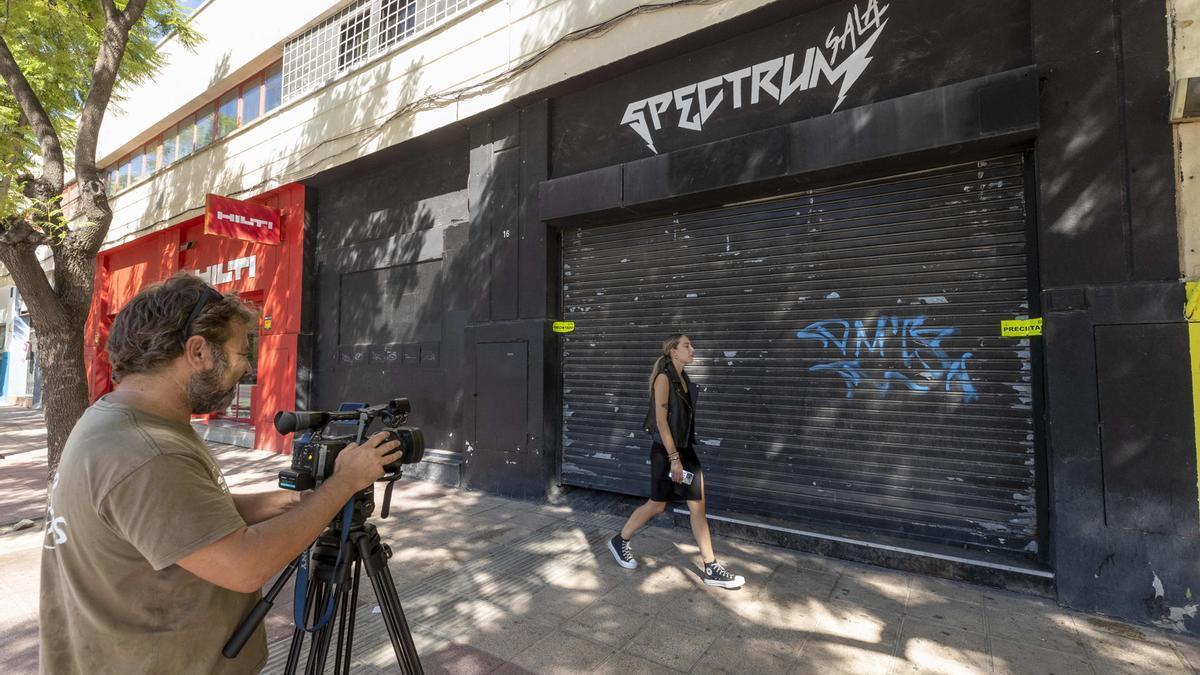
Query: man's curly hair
column 148, row 332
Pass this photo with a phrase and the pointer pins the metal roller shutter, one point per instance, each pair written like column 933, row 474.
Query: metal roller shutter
column 851, row 368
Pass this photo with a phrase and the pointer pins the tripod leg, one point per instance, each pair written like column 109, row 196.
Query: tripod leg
column 374, row 557
column 310, row 601
column 320, row 637
column 353, row 612
column 334, row 582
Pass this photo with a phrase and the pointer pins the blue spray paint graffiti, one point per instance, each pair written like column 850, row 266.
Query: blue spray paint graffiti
column 922, row 364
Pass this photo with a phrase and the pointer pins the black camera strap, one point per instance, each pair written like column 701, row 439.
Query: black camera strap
column 302, row 577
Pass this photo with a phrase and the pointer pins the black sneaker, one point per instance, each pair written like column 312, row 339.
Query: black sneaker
column 715, row 575
column 621, row 552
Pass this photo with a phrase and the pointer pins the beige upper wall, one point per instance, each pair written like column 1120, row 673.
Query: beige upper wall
column 239, row 39
column 1184, row 26
column 444, row 76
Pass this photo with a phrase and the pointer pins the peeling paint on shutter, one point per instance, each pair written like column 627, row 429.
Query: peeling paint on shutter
column 849, row 357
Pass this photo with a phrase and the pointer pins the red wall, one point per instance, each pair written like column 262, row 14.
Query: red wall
column 123, row 271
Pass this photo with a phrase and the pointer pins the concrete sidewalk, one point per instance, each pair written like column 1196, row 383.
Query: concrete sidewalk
column 22, row 465
column 496, row 585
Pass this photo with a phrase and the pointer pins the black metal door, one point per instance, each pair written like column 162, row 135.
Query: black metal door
column 849, row 355
column 495, row 455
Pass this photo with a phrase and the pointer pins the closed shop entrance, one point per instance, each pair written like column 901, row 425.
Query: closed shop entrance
column 852, row 371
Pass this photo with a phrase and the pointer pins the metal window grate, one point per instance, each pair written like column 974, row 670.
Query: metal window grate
column 364, row 29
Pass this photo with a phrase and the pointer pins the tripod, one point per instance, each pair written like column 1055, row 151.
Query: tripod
column 336, row 562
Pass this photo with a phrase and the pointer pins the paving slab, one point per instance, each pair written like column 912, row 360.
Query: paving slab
column 674, row 643
column 560, row 653
column 762, row 656
column 826, row 657
column 1010, row 656
column 937, row 648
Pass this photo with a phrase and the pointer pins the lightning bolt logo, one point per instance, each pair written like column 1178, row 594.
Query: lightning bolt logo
column 853, row 67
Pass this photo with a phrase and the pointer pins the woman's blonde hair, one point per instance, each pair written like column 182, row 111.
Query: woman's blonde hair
column 670, row 343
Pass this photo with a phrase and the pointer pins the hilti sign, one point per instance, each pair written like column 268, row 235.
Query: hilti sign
column 233, row 270
column 241, row 220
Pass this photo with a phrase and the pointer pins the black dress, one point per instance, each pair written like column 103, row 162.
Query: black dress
column 662, row 488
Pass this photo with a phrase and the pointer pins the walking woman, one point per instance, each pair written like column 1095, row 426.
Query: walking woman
column 671, row 420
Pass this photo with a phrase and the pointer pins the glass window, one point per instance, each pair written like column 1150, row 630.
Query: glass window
column 204, row 128
column 151, row 161
column 187, row 135
column 251, row 100
column 168, row 145
column 227, row 114
column 114, row 178
column 125, row 166
column 135, row 168
column 273, row 87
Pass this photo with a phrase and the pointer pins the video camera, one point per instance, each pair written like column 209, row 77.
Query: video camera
column 349, row 545
column 314, row 460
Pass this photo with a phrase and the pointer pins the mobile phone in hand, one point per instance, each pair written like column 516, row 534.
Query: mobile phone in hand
column 688, row 476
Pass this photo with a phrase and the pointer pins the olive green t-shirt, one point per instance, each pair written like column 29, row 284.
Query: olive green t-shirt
column 134, row 494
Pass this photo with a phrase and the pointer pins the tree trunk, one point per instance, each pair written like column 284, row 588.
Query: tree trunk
column 64, row 383
column 58, row 317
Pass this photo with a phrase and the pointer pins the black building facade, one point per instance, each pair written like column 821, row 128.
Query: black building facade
column 842, row 204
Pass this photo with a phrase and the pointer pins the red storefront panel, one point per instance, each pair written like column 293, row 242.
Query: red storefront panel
column 266, row 276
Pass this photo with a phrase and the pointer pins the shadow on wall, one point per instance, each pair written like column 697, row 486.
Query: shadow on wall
column 220, row 70
column 1107, row 212
column 390, row 240
column 396, row 268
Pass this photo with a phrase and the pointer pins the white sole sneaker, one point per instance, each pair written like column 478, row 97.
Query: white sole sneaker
column 737, row 582
column 632, row 564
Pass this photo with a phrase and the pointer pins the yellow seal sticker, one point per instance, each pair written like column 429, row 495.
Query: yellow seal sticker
column 1021, row 327
column 1191, row 310
column 563, row 327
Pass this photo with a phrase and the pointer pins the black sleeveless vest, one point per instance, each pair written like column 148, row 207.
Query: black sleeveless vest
column 681, row 409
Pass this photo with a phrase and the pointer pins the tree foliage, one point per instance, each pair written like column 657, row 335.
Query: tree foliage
column 55, row 43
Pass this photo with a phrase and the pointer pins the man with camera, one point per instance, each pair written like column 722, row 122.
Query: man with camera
column 149, row 561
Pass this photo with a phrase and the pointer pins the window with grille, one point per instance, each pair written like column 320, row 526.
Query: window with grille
column 397, row 21
column 354, row 35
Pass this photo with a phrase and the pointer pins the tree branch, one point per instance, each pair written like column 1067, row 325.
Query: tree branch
column 110, row 10
column 22, row 263
column 133, row 12
column 18, row 231
column 31, row 108
column 104, row 76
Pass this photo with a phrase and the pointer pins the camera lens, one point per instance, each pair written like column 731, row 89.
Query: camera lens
column 412, row 445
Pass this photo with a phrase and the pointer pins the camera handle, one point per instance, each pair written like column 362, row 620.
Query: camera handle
column 246, row 628
column 387, row 492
